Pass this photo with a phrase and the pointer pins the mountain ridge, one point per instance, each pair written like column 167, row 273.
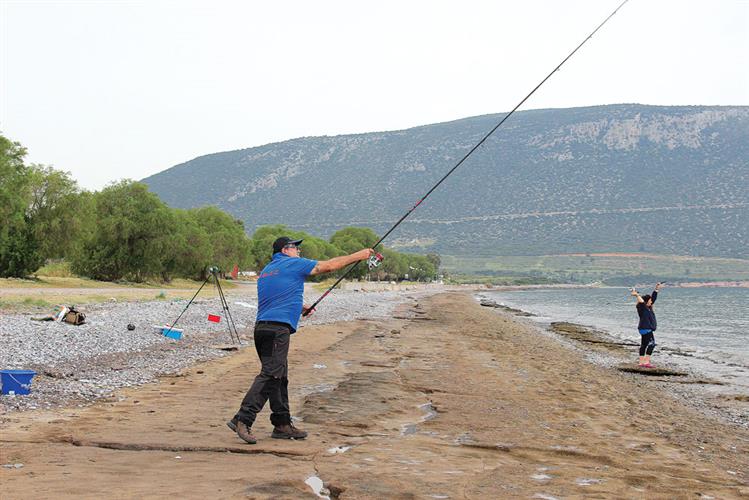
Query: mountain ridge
column 573, row 179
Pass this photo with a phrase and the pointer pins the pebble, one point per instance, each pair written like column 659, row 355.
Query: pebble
column 80, row 364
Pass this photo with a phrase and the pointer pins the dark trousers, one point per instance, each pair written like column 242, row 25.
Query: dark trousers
column 272, row 345
column 647, row 344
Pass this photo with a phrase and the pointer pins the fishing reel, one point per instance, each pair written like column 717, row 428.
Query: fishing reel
column 374, row 260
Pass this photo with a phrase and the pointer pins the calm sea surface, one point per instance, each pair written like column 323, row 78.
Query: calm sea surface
column 709, row 325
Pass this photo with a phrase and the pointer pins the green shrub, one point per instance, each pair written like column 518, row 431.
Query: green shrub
column 56, row 269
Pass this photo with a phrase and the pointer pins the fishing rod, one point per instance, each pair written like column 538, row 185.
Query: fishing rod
column 375, row 259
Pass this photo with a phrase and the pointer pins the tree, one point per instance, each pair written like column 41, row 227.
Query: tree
column 393, row 267
column 19, row 251
column 353, row 239
column 132, row 236
column 59, row 215
column 419, row 267
column 435, row 259
column 226, row 236
column 261, row 244
column 316, row 248
column 191, row 250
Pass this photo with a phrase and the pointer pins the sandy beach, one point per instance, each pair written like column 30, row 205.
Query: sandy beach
column 444, row 399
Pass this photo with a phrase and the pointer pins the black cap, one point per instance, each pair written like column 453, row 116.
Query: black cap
column 283, row 241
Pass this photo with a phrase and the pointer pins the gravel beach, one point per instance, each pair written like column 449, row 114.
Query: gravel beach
column 76, row 365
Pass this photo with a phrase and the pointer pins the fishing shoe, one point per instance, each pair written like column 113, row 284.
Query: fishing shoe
column 287, row 431
column 232, row 424
column 244, row 432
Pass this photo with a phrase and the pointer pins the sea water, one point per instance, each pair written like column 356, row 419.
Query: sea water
column 708, row 327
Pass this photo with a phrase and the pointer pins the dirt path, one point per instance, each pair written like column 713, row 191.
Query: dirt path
column 457, row 402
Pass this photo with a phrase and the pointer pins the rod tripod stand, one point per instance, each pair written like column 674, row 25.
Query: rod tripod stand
column 233, row 334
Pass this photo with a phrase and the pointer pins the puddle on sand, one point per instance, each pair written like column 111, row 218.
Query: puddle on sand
column 319, row 366
column 408, row 429
column 544, row 496
column 540, row 477
column 317, row 486
column 430, row 413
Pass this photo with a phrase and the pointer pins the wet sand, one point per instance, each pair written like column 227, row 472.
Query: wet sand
column 447, row 400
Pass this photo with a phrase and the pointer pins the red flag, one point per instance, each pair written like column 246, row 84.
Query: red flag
column 214, row 318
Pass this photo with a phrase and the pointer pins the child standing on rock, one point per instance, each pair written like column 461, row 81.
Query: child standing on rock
column 647, row 324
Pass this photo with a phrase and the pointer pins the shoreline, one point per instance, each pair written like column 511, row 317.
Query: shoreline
column 608, row 350
column 443, row 399
column 685, row 284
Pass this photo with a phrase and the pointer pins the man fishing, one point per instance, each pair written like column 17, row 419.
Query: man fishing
column 280, row 290
column 646, row 325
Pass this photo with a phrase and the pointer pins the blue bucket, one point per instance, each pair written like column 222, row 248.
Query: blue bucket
column 16, row 381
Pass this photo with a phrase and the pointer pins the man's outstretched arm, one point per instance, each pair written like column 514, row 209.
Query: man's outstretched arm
column 336, row 263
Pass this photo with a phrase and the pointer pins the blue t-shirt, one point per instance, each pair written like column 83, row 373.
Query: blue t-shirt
column 280, row 289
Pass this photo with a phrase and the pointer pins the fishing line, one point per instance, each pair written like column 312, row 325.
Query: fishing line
column 465, row 157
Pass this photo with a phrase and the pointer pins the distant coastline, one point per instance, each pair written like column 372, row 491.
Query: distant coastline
column 715, row 284
column 687, row 284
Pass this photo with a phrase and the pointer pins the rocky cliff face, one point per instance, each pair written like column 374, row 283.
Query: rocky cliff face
column 662, row 129
column 605, row 178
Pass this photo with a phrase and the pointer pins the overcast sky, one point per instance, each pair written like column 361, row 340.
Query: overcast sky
column 115, row 89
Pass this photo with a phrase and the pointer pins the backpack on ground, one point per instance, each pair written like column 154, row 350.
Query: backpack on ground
column 74, row 317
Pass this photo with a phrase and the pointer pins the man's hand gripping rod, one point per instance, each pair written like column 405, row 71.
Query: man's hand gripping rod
column 374, row 261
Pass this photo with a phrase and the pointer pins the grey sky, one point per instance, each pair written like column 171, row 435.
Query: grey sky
column 114, row 89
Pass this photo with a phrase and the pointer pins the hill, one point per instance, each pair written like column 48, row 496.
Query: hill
column 614, row 178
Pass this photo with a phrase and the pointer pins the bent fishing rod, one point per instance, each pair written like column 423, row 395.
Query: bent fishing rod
column 377, row 258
